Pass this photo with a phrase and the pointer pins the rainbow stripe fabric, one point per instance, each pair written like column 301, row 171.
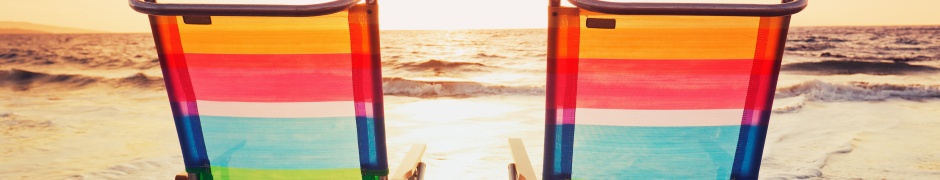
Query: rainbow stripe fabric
column 659, row 96
column 276, row 97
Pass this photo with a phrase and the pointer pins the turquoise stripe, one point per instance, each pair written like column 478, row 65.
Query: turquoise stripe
column 619, row 152
column 281, row 143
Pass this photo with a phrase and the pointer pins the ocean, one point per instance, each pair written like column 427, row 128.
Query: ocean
column 851, row 102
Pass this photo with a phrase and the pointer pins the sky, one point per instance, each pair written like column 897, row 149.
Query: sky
column 116, row 16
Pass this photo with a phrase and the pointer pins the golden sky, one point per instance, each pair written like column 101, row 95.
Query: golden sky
column 116, row 16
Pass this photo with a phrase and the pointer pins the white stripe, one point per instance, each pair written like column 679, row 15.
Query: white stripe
column 277, row 109
column 623, row 117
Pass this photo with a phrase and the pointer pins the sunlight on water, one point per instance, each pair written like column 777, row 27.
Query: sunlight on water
column 444, row 110
column 466, row 138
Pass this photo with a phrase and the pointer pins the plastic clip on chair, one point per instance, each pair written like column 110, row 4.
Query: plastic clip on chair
column 276, row 91
column 658, row 90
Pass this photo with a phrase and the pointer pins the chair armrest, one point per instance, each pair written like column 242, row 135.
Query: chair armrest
column 409, row 164
column 182, row 176
column 153, row 8
column 788, row 7
column 521, row 159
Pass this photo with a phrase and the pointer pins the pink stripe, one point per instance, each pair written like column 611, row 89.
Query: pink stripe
column 755, row 117
column 663, row 84
column 763, row 87
column 186, row 108
column 271, row 85
column 271, row 77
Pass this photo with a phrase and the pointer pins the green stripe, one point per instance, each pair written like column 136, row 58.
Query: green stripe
column 375, row 172
column 228, row 173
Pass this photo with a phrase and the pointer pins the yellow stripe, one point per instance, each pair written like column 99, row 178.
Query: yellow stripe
column 268, row 35
column 670, row 37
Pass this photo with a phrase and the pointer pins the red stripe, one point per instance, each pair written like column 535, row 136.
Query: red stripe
column 569, row 63
column 663, row 84
column 361, row 59
column 166, row 35
column 766, row 59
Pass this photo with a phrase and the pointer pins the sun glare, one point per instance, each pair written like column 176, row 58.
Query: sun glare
column 444, row 110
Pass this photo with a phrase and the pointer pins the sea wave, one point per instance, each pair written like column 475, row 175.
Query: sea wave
column 438, row 67
column 11, row 124
column 833, row 67
column 794, row 98
column 87, row 51
column 817, row 90
column 22, row 80
column 30, row 57
column 900, row 44
column 426, row 89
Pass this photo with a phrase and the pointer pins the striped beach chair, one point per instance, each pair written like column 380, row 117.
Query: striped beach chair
column 276, row 91
column 658, row 90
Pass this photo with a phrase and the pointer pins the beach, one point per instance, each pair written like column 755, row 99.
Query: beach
column 851, row 103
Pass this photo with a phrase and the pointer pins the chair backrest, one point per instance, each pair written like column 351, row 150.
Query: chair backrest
column 258, row 97
column 659, row 96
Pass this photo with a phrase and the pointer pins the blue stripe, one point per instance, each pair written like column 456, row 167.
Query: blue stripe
column 368, row 155
column 618, row 152
column 562, row 153
column 378, row 117
column 281, row 143
column 548, row 165
column 748, row 157
column 192, row 144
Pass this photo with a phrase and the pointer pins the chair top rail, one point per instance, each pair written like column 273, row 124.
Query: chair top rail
column 788, row 7
column 153, row 8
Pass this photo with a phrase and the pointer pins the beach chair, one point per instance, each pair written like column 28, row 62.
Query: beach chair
column 658, row 90
column 276, row 91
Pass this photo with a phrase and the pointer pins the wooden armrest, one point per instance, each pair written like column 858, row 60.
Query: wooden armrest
column 182, row 176
column 409, row 164
column 521, row 159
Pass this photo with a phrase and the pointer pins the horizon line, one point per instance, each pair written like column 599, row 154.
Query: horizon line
column 403, row 29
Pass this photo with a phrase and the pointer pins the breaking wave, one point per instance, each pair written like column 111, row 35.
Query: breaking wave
column 817, row 90
column 23, row 80
column 793, row 98
column 438, row 66
column 426, row 89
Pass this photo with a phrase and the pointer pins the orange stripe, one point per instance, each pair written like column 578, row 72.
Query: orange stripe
column 766, row 59
column 670, row 37
column 268, row 35
column 565, row 58
column 172, row 59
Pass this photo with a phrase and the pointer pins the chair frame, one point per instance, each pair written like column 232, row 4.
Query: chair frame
column 520, row 167
column 411, row 167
